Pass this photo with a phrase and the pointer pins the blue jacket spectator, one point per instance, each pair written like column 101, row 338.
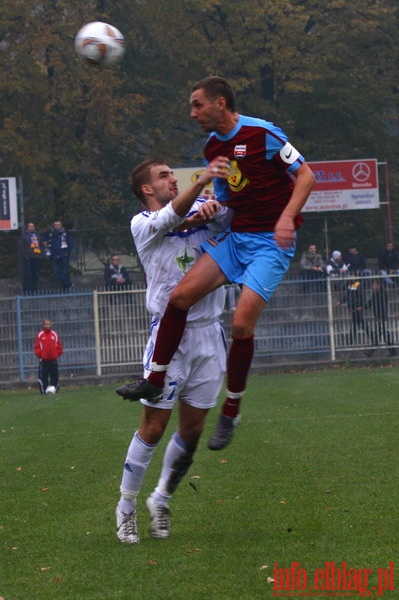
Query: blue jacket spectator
column 59, row 244
column 356, row 262
column 116, row 276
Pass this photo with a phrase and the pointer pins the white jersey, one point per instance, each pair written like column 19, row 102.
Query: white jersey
column 167, row 255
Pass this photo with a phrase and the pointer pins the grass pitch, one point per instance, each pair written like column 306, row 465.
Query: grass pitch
column 311, row 477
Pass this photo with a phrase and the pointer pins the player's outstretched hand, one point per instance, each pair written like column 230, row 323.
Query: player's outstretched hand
column 207, row 210
column 217, row 168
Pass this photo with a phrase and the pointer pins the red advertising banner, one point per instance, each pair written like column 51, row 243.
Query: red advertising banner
column 344, row 185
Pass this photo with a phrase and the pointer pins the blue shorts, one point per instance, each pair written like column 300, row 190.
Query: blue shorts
column 251, row 259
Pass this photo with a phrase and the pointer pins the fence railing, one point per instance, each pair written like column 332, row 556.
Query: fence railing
column 106, row 331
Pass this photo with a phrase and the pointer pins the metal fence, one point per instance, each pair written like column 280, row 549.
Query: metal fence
column 105, row 331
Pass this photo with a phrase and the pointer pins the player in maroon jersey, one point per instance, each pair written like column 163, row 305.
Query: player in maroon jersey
column 268, row 184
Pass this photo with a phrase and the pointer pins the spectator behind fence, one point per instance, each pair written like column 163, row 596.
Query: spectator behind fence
column 48, row 348
column 312, row 269
column 336, row 266
column 379, row 303
column 388, row 263
column 32, row 254
column 59, row 244
column 356, row 262
column 116, row 276
column 355, row 301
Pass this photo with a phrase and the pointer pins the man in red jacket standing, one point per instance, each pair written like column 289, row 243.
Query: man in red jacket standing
column 48, row 348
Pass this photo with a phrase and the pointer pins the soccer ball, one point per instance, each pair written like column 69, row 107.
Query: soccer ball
column 51, row 390
column 100, row 44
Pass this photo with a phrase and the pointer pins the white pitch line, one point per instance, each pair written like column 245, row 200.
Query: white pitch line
column 319, row 417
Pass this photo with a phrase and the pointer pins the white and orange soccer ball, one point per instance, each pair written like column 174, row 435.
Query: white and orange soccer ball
column 50, row 389
column 100, row 44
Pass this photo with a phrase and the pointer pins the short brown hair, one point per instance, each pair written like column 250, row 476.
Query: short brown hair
column 214, row 87
column 142, row 175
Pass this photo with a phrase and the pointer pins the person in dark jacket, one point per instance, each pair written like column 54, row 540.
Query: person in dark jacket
column 48, row 348
column 32, row 254
column 116, row 276
column 59, row 243
column 388, row 263
column 379, row 303
column 356, row 262
column 355, row 301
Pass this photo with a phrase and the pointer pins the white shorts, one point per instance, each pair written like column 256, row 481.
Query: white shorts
column 196, row 373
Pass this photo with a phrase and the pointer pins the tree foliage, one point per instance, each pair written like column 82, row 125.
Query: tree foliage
column 326, row 72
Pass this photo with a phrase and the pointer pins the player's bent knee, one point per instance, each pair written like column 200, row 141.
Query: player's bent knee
column 241, row 331
column 180, row 299
column 152, row 433
column 192, row 434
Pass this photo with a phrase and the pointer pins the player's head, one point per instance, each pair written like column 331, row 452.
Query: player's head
column 215, row 87
column 47, row 324
column 153, row 180
column 213, row 105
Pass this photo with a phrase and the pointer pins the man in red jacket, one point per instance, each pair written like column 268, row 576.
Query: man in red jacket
column 48, row 348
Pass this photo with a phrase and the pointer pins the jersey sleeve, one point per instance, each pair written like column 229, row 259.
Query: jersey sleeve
column 279, row 148
column 37, row 347
column 147, row 227
column 59, row 348
column 221, row 190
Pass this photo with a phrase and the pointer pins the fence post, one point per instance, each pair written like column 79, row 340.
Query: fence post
column 20, row 342
column 330, row 318
column 97, row 332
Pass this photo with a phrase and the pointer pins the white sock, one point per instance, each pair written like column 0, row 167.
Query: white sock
column 138, row 458
column 176, row 462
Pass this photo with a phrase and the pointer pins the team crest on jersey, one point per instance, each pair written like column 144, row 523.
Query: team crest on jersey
column 235, row 179
column 240, row 151
column 186, row 260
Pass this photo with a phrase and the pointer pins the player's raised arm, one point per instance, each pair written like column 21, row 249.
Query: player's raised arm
column 217, row 168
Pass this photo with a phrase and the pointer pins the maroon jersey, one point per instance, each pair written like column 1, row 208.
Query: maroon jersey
column 260, row 182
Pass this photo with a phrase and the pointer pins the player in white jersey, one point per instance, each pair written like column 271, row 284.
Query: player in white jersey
column 168, row 235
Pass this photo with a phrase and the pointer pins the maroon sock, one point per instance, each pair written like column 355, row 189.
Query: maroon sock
column 238, row 365
column 170, row 332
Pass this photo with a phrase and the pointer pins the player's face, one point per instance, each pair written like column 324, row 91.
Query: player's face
column 206, row 112
column 163, row 184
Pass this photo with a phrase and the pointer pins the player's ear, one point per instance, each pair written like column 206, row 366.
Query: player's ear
column 221, row 103
column 146, row 189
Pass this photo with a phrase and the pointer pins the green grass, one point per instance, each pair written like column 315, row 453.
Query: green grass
column 311, row 477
